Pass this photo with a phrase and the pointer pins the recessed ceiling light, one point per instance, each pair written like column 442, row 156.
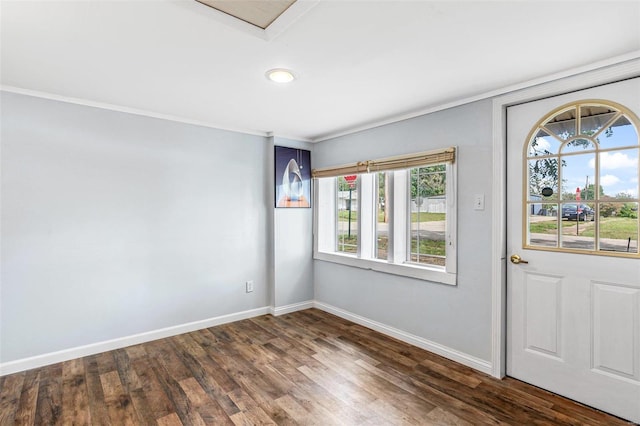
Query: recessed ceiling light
column 280, row 75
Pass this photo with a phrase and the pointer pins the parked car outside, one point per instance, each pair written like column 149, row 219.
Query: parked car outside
column 575, row 211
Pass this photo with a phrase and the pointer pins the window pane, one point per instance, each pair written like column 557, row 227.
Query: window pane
column 619, row 173
column 594, row 118
column 619, row 227
column 428, row 215
column 620, row 134
column 577, row 171
column 563, row 125
column 347, row 206
column 578, row 225
column 382, row 218
column 543, row 179
column 543, row 224
column 543, row 144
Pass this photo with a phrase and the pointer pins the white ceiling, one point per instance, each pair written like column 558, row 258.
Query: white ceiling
column 359, row 63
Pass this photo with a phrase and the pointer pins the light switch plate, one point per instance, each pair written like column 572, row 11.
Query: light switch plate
column 478, row 202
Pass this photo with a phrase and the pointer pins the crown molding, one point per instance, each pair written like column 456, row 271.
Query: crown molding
column 616, row 60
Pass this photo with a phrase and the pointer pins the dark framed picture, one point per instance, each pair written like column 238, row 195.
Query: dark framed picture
column 293, row 177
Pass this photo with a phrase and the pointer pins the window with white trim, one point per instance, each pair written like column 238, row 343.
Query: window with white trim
column 394, row 215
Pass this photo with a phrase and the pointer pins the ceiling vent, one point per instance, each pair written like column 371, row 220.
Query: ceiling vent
column 260, row 13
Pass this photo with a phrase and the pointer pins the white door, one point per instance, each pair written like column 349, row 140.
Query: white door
column 573, row 311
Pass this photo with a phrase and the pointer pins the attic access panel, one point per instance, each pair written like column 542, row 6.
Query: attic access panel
column 260, row 13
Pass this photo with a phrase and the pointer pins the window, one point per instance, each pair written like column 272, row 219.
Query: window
column 428, row 214
column 382, row 218
column 582, row 164
column 393, row 215
column 347, row 209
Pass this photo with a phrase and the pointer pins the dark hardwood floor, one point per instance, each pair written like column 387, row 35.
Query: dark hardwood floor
column 307, row 368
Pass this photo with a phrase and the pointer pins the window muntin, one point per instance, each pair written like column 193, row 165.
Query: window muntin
column 581, row 190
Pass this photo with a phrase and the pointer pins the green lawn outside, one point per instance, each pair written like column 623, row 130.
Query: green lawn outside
column 433, row 247
column 427, row 217
column 610, row 227
column 550, row 226
column 431, row 252
column 348, row 244
column 619, row 228
column 343, row 216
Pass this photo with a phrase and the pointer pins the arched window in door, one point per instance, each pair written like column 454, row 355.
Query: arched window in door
column 582, row 167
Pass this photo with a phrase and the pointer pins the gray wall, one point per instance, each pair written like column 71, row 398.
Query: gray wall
column 115, row 224
column 457, row 317
column 293, row 247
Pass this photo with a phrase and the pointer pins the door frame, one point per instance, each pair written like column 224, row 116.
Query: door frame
column 609, row 71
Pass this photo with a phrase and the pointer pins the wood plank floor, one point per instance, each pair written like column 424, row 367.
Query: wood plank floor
column 307, row 368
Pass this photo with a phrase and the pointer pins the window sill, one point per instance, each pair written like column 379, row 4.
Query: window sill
column 405, row 270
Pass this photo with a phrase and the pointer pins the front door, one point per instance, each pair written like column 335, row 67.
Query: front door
column 573, row 283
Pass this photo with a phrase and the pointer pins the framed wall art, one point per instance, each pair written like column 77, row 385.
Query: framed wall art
column 293, row 177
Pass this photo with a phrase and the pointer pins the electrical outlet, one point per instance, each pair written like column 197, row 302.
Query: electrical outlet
column 249, row 286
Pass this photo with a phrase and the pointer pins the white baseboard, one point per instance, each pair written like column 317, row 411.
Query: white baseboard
column 287, row 309
column 122, row 342
column 452, row 354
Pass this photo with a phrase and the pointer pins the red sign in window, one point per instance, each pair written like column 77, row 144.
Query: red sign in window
column 351, row 180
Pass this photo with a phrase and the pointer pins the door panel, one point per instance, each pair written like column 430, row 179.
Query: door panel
column 573, row 317
column 543, row 324
column 616, row 323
